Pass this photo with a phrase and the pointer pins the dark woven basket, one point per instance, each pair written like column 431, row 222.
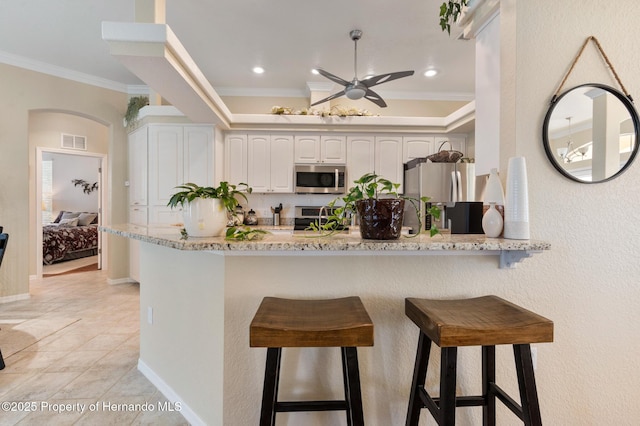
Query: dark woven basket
column 444, row 155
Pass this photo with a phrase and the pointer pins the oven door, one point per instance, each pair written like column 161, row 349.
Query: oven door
column 311, row 179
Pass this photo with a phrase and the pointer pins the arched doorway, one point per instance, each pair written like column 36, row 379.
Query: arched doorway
column 50, row 133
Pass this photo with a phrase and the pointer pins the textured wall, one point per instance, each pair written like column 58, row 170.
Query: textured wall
column 589, row 283
column 24, row 91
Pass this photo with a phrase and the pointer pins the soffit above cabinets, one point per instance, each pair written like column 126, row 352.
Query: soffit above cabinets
column 155, row 55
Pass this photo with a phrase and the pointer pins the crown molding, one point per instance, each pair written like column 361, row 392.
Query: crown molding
column 56, row 71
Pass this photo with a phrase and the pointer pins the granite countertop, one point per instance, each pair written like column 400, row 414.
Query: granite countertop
column 281, row 238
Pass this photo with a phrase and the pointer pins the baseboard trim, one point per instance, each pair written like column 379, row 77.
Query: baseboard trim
column 117, row 281
column 15, row 297
column 170, row 394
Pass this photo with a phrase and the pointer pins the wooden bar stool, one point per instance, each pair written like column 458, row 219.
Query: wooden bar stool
column 484, row 321
column 343, row 323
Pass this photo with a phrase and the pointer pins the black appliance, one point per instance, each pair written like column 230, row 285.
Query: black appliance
column 306, row 215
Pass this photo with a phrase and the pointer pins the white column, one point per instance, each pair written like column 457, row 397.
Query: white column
column 482, row 23
column 608, row 113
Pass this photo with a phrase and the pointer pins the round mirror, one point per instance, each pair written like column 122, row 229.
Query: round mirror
column 590, row 133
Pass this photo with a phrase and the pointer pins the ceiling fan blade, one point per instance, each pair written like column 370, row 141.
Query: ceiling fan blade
column 375, row 98
column 332, row 77
column 335, row 95
column 383, row 78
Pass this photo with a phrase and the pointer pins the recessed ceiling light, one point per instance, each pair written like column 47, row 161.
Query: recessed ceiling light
column 258, row 70
column 431, row 73
column 314, row 71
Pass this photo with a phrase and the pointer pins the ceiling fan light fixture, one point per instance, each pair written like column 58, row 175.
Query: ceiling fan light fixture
column 315, row 71
column 430, row 73
column 358, row 89
column 258, row 70
column 355, row 93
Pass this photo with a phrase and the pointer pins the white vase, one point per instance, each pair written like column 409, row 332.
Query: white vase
column 516, row 206
column 492, row 222
column 205, row 217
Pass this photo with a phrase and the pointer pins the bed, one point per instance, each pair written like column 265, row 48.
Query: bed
column 70, row 238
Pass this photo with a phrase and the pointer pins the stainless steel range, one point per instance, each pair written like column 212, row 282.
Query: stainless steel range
column 306, row 215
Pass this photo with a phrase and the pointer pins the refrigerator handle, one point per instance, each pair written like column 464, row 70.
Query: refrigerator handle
column 458, row 186
column 454, row 188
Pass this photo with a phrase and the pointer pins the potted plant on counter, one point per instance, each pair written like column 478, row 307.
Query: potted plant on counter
column 379, row 207
column 205, row 208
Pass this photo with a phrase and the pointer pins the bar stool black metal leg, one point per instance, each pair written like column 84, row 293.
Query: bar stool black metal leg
column 419, row 377
column 353, row 391
column 527, row 385
column 448, row 369
column 270, row 390
column 488, row 380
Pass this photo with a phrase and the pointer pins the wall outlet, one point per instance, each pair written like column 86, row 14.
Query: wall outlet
column 149, row 314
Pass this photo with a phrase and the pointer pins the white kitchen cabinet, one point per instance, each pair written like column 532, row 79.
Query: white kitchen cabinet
column 417, row 147
column 166, row 168
column 388, row 159
column 360, row 157
column 138, row 168
column 162, row 156
column 270, row 163
column 320, row 149
column 235, row 158
column 177, row 154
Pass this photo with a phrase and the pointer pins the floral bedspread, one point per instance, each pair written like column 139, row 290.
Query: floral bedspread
column 58, row 241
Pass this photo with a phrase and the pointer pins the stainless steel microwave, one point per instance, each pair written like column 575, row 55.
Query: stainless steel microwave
column 320, row 179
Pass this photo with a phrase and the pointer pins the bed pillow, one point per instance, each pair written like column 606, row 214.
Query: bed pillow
column 69, row 215
column 85, row 219
column 57, row 219
column 68, row 222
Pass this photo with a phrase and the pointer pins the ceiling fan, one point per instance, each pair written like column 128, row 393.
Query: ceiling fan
column 357, row 89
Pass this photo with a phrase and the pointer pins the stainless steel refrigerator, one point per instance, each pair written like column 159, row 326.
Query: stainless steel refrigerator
column 444, row 183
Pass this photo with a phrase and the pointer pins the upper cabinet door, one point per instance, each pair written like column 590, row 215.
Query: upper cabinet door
column 198, row 155
column 138, row 168
column 235, row 165
column 270, row 165
column 416, row 147
column 281, row 163
column 165, row 162
column 320, row 149
column 307, row 148
column 259, row 162
column 333, row 149
column 389, row 159
column 360, row 157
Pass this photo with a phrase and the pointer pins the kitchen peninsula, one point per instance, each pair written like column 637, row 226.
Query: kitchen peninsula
column 197, row 298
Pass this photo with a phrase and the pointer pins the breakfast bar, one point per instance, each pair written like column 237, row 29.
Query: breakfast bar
column 198, row 295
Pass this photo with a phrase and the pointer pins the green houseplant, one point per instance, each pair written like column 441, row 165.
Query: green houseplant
column 380, row 208
column 136, row 103
column 450, row 12
column 205, row 207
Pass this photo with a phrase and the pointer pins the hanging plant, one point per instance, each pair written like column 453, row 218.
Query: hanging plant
column 134, row 106
column 87, row 187
column 450, row 12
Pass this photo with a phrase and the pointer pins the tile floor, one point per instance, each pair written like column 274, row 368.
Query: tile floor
column 74, row 343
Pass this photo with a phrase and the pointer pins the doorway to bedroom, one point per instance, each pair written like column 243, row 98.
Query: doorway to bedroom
column 70, row 188
column 70, row 209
